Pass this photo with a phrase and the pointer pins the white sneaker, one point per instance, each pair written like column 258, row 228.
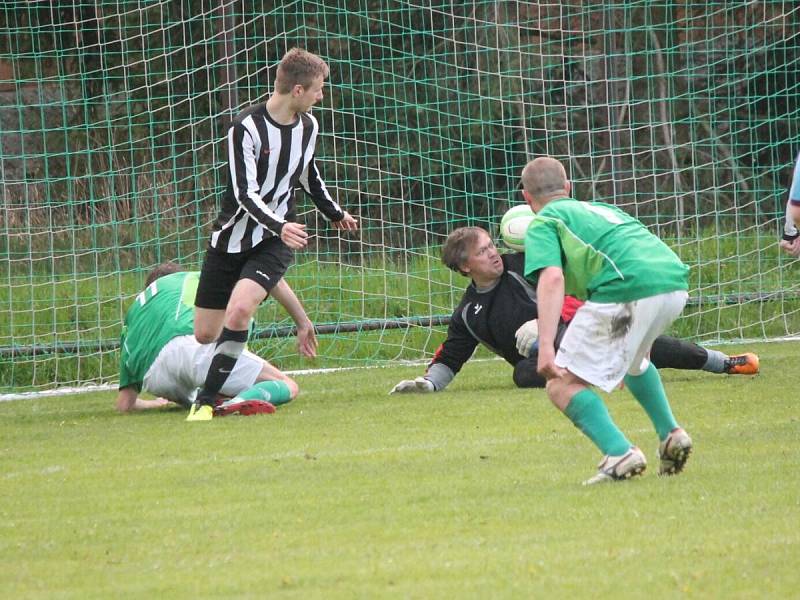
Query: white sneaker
column 674, row 451
column 617, row 468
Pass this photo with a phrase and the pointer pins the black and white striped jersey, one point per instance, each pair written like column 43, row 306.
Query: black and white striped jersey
column 266, row 162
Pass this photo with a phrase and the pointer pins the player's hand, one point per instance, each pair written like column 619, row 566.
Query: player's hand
column 346, row 223
column 546, row 364
column 307, row 340
column 526, row 336
column 420, row 385
column 294, row 235
column 792, row 247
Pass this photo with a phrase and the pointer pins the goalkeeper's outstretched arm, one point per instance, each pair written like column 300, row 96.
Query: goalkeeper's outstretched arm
column 447, row 361
column 435, row 379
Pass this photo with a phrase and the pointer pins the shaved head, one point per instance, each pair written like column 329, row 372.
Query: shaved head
column 544, row 177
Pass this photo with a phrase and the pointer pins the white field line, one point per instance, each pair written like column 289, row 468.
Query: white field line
column 65, row 391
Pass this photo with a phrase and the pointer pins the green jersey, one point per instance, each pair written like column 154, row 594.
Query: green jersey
column 606, row 255
column 163, row 311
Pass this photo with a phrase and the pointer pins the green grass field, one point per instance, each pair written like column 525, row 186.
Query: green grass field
column 351, row 493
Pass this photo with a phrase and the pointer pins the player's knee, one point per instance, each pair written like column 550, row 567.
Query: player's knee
column 204, row 335
column 294, row 389
column 525, row 376
column 238, row 315
column 556, row 390
column 518, row 379
column 269, row 374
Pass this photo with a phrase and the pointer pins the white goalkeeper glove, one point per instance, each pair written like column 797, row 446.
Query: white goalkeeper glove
column 418, row 385
column 526, row 336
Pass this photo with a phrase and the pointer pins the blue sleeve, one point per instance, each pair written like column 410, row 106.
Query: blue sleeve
column 794, row 191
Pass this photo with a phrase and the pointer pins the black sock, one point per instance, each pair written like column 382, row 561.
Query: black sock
column 229, row 347
column 672, row 353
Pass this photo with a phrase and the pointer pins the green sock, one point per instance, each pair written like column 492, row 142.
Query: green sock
column 649, row 391
column 589, row 414
column 275, row 392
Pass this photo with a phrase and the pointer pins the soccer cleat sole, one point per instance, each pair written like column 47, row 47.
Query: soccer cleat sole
column 635, row 472
column 606, row 478
column 674, row 452
column 245, row 408
column 608, row 474
column 677, row 462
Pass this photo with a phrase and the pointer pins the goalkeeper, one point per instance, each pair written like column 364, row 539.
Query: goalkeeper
column 499, row 310
column 791, row 236
column 160, row 355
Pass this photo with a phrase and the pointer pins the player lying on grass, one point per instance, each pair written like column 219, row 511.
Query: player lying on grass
column 791, row 236
column 499, row 310
column 160, row 355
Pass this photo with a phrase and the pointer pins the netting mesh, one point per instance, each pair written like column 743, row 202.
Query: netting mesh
column 113, row 117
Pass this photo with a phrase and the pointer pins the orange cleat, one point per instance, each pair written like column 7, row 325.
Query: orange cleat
column 742, row 364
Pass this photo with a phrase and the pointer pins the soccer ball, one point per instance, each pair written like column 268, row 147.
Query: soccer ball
column 514, row 224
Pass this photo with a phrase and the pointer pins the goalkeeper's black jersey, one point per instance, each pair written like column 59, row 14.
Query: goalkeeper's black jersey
column 490, row 317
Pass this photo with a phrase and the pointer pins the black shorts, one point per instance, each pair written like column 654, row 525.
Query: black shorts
column 265, row 264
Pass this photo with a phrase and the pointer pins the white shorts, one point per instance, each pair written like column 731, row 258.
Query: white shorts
column 181, row 367
column 605, row 341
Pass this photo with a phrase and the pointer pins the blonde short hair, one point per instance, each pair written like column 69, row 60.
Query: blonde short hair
column 299, row 67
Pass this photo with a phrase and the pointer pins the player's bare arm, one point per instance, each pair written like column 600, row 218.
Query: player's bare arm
column 128, row 400
column 550, row 294
column 791, row 235
column 306, row 337
column 294, row 235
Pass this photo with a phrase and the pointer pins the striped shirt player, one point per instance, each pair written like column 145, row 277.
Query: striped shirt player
column 267, row 161
column 270, row 153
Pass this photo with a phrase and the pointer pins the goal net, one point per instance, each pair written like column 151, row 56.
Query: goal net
column 112, row 156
